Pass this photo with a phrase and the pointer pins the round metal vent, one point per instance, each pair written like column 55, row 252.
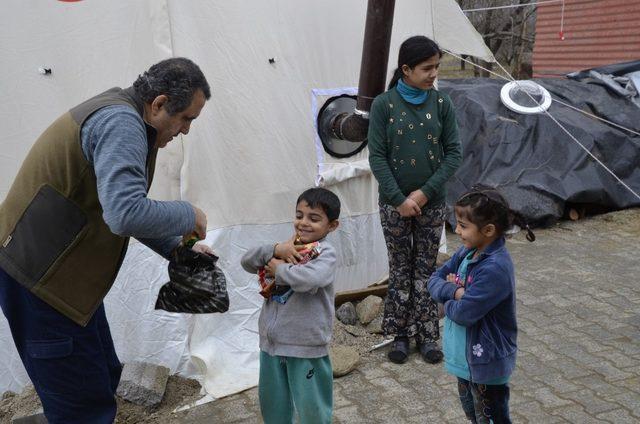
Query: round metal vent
column 525, row 97
column 333, row 107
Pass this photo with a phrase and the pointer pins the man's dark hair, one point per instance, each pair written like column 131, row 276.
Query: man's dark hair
column 177, row 78
column 323, row 198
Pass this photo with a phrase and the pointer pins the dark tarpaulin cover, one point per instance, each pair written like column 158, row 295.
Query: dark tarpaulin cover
column 535, row 164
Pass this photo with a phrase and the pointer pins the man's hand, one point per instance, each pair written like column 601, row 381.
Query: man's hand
column 201, row 223
column 451, row 278
column 409, row 208
column 203, row 248
column 419, row 197
column 288, row 251
column 272, row 265
column 458, row 293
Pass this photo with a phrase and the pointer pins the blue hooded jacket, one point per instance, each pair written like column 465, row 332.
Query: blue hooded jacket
column 487, row 309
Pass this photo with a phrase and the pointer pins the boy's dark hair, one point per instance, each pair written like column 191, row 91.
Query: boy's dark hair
column 413, row 51
column 487, row 206
column 178, row 78
column 323, row 198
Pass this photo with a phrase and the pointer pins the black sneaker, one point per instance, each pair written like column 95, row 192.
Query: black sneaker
column 399, row 352
column 430, row 352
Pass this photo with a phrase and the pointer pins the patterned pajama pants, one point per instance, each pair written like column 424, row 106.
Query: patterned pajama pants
column 412, row 245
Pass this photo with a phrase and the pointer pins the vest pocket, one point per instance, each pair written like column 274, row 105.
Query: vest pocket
column 45, row 230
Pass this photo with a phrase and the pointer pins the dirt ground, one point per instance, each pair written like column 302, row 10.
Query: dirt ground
column 180, row 391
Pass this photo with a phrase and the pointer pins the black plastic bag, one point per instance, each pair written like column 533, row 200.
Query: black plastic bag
column 196, row 285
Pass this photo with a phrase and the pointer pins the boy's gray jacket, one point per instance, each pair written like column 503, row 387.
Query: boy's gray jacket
column 301, row 327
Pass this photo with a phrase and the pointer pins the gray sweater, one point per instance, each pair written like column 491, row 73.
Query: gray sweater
column 114, row 141
column 301, row 327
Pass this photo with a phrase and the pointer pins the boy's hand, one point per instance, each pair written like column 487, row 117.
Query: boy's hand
column 419, row 197
column 272, row 265
column 409, row 208
column 458, row 293
column 288, row 251
column 451, row 278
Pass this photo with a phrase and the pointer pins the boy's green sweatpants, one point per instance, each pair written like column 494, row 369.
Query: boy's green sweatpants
column 304, row 383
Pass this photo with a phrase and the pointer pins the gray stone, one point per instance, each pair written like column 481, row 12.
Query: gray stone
column 355, row 330
column 368, row 309
column 36, row 417
column 346, row 314
column 344, row 359
column 375, row 326
column 142, row 383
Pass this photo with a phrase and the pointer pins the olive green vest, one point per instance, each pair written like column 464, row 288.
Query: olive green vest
column 53, row 239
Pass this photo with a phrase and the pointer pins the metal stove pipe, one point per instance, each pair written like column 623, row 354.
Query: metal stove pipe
column 373, row 72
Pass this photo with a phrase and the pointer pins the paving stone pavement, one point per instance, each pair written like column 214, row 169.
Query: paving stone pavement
column 578, row 299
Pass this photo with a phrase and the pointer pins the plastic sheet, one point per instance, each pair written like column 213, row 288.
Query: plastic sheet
column 532, row 161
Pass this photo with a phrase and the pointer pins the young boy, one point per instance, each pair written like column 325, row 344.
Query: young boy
column 296, row 320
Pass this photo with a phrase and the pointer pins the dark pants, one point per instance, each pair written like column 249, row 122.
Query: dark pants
column 484, row 403
column 412, row 245
column 74, row 369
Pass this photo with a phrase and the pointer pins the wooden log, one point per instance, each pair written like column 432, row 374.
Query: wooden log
column 573, row 214
column 378, row 288
column 577, row 213
column 359, row 294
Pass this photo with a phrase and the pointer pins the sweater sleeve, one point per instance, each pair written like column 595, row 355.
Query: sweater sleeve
column 256, row 258
column 311, row 276
column 378, row 154
column 162, row 246
column 114, row 140
column 452, row 150
column 439, row 288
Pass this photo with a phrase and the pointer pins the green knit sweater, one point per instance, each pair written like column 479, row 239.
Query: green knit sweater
column 413, row 146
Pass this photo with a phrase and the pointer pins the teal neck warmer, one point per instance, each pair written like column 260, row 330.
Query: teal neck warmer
column 411, row 94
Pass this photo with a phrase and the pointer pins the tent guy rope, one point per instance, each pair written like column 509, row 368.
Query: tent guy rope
column 511, row 78
column 510, row 6
column 584, row 112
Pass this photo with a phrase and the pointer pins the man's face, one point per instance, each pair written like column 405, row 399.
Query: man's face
column 169, row 126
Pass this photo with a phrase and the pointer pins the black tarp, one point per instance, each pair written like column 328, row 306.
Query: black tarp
column 535, row 164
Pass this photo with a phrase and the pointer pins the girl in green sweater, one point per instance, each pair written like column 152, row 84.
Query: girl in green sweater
column 413, row 150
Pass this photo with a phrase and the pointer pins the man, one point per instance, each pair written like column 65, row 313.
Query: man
column 64, row 228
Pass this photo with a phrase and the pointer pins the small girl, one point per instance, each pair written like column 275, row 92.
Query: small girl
column 413, row 150
column 477, row 287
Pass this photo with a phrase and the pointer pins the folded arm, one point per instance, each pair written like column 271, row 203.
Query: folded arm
column 491, row 285
column 311, row 276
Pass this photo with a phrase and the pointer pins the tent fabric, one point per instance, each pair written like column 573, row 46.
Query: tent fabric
column 245, row 161
column 533, row 161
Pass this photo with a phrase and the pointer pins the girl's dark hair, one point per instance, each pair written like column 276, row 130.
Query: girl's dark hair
column 487, row 206
column 178, row 78
column 413, row 51
column 323, row 198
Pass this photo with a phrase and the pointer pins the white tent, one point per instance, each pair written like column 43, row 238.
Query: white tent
column 248, row 156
